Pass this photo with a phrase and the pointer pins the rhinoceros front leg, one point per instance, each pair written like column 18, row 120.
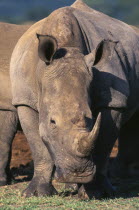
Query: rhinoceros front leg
column 8, row 127
column 41, row 183
column 109, row 130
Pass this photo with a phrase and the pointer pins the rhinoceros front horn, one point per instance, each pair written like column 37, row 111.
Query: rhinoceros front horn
column 86, row 143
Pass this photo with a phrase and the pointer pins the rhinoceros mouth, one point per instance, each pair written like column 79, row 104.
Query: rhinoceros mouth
column 84, row 177
column 76, row 179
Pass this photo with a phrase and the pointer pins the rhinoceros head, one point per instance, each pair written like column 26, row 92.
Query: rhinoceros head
column 67, row 126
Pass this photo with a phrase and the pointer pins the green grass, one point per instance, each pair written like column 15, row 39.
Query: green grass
column 10, row 198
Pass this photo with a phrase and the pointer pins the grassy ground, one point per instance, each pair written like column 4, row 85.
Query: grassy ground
column 126, row 198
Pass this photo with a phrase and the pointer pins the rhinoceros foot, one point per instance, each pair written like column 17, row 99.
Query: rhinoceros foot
column 100, row 188
column 39, row 187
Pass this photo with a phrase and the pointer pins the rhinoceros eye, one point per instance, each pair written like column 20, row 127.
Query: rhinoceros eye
column 53, row 121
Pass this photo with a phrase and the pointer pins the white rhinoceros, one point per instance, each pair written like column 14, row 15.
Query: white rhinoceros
column 75, row 83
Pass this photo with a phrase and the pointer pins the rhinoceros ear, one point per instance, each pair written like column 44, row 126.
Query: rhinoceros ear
column 47, row 48
column 103, row 52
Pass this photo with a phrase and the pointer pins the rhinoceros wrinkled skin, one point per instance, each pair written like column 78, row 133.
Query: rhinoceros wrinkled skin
column 75, row 83
column 9, row 35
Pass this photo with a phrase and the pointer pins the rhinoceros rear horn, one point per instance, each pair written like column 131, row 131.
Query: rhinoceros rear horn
column 47, row 48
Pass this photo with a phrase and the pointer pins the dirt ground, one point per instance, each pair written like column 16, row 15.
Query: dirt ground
column 21, row 154
column 21, row 160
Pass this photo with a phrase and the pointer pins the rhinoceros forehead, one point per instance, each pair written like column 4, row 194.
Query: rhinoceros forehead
column 66, row 68
column 66, row 96
column 65, row 84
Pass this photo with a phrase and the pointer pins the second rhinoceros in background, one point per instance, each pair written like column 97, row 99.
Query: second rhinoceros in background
column 9, row 35
column 75, row 82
